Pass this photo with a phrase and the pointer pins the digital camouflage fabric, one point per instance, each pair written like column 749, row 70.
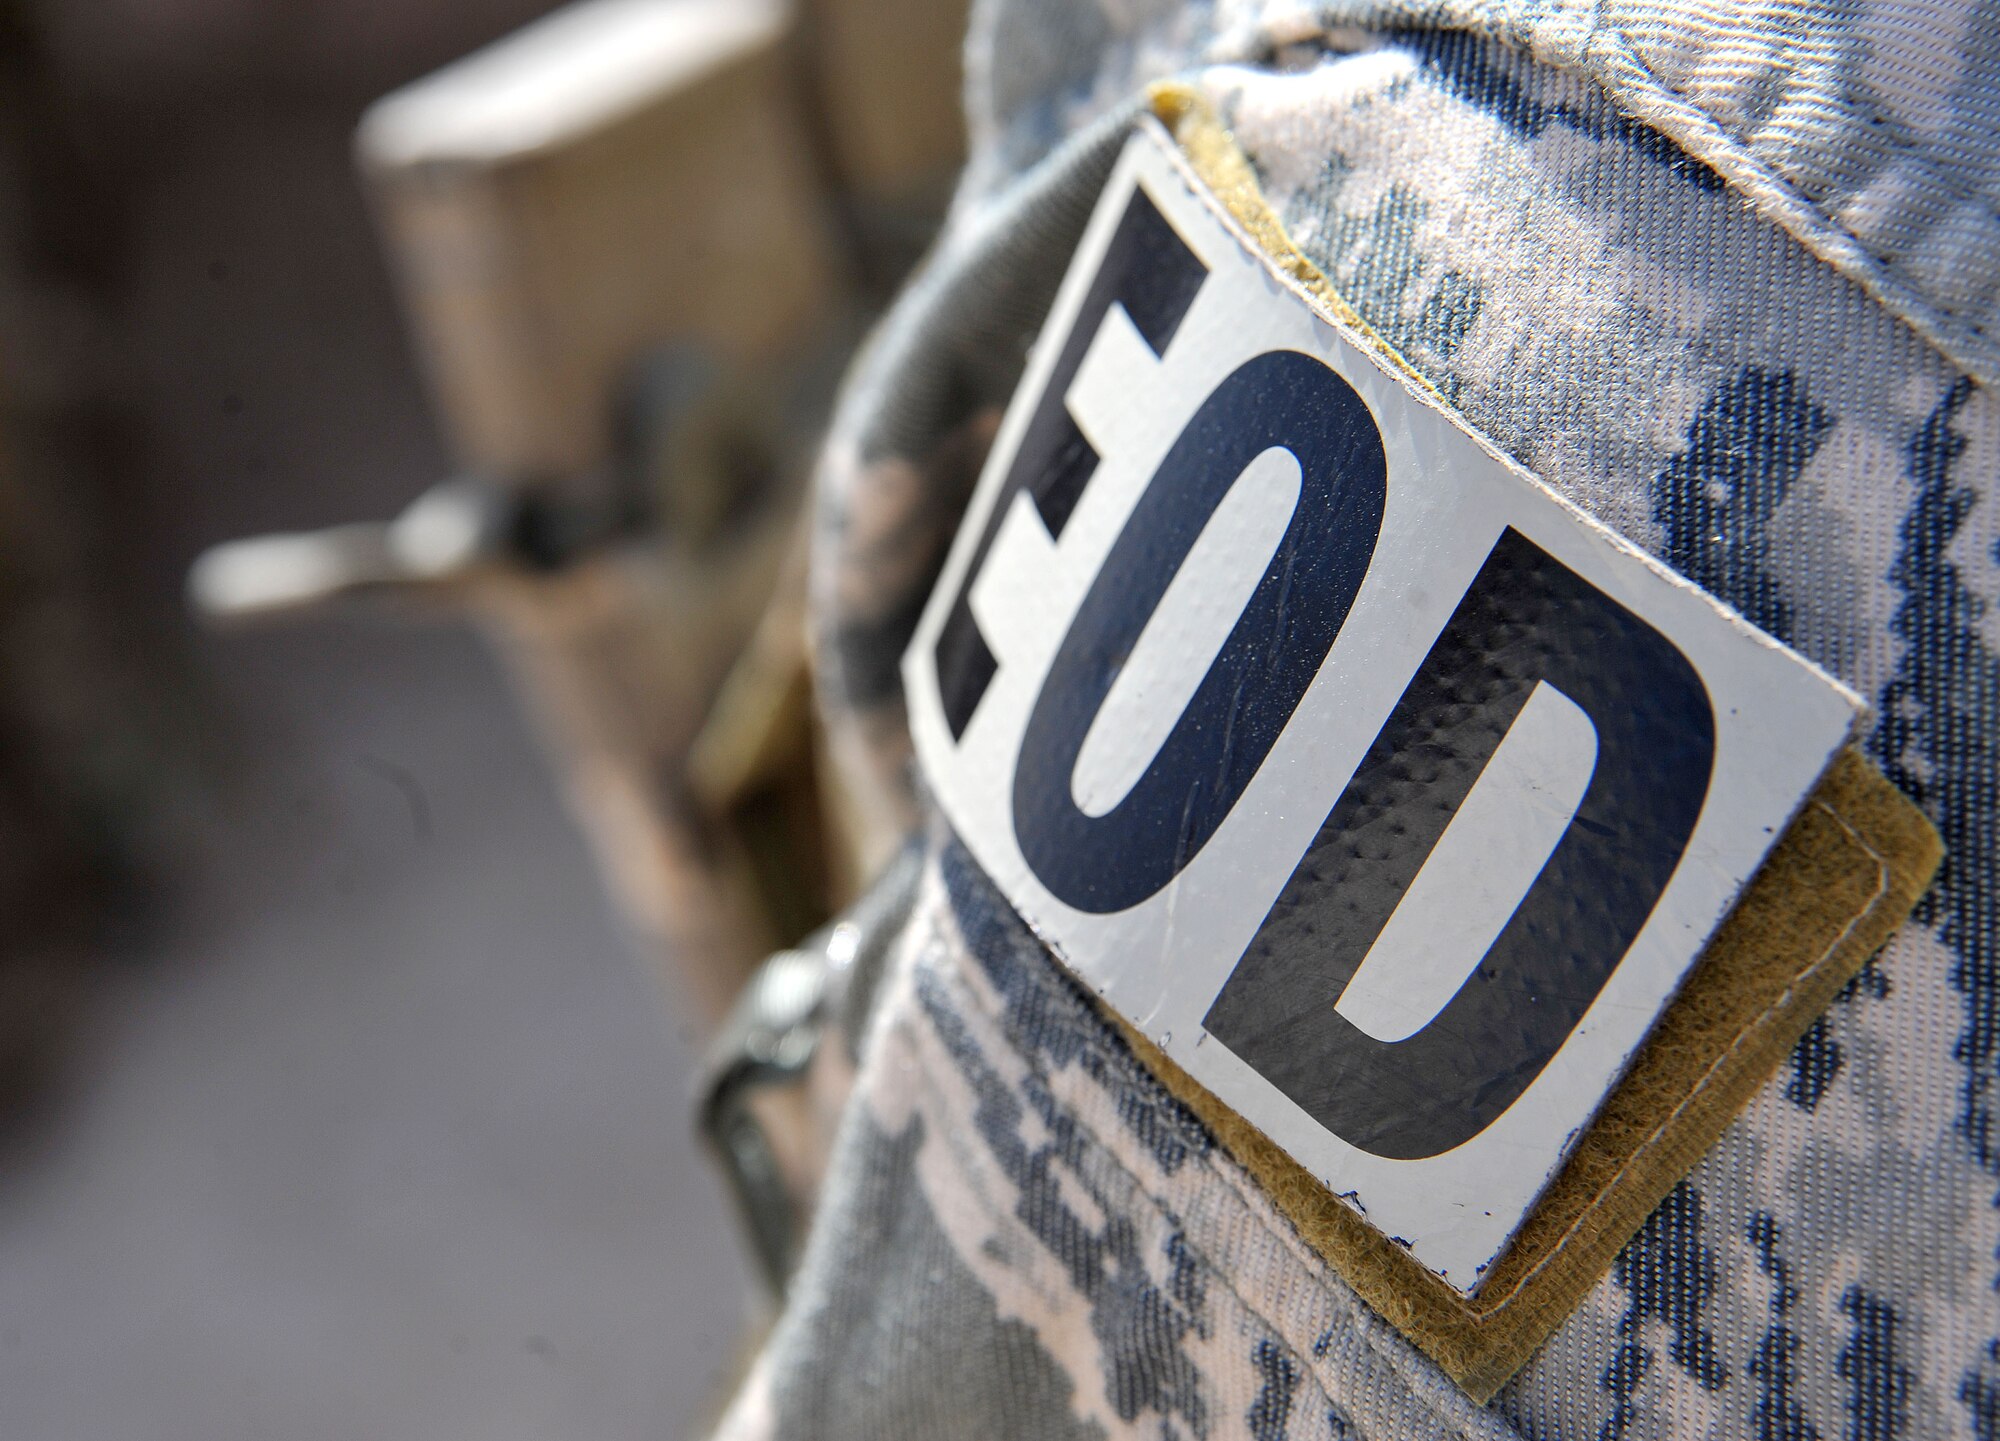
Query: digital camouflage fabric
column 1728, row 279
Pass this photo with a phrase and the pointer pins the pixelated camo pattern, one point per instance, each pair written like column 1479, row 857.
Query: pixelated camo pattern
column 1751, row 334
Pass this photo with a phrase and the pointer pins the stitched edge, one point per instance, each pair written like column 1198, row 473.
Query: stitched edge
column 1558, row 1249
column 1609, row 57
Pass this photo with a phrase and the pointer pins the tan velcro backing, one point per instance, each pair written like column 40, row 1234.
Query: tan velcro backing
column 1836, row 886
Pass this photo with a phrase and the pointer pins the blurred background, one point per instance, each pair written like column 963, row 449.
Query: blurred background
column 362, row 937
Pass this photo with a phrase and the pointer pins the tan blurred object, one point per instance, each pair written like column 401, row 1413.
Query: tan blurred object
column 635, row 241
column 886, row 76
column 620, row 172
column 889, row 80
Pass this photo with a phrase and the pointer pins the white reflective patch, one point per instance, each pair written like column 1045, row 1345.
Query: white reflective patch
column 1488, row 856
column 1391, row 796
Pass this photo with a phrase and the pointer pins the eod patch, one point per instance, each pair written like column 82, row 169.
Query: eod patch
column 1387, row 798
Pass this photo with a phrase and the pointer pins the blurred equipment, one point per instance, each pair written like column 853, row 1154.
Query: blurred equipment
column 780, row 1071
column 637, row 241
column 624, row 173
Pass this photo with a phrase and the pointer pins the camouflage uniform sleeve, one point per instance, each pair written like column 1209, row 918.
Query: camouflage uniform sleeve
column 1725, row 284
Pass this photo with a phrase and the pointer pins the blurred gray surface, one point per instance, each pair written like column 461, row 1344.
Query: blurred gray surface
column 380, row 1129
column 387, row 1136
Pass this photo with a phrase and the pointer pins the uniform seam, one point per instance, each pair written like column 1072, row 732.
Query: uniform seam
column 942, row 954
column 1133, row 1079
column 1731, row 154
column 1608, row 57
column 1897, row 142
column 941, row 947
column 1818, row 203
